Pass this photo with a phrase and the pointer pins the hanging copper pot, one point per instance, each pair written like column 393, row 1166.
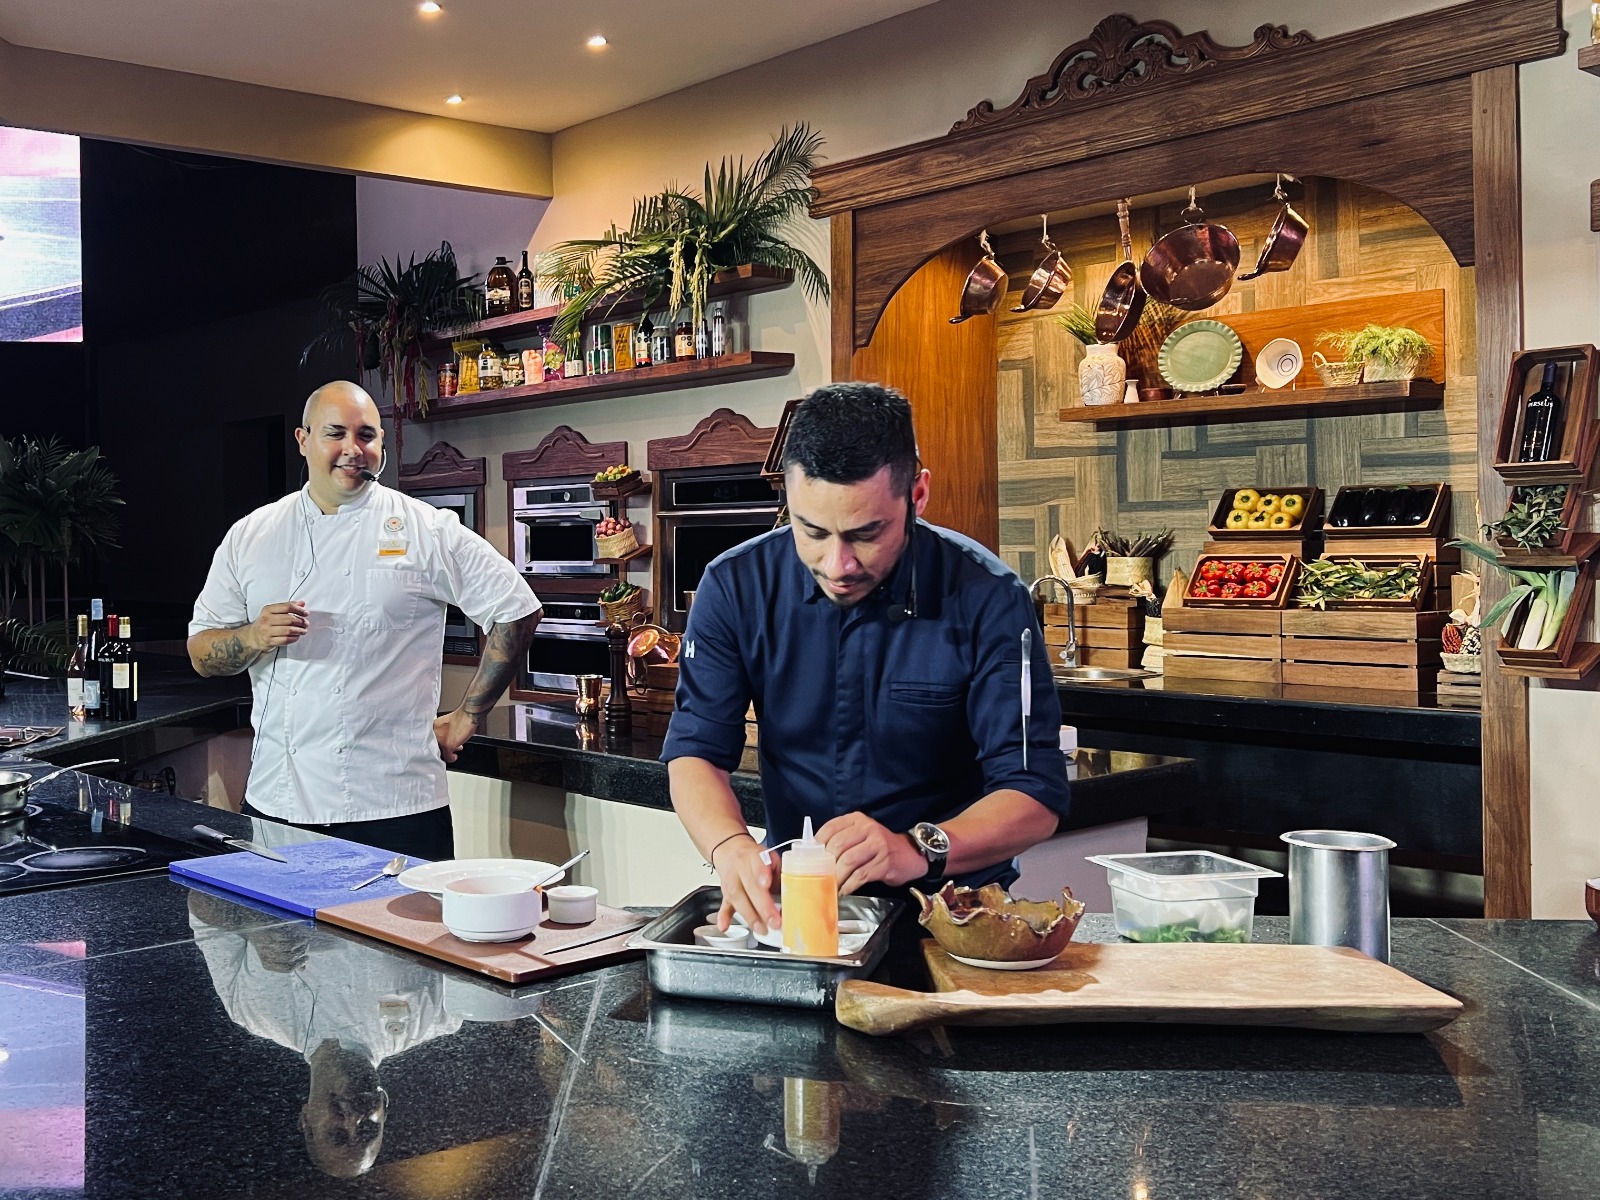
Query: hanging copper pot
column 1192, row 267
column 1283, row 243
column 985, row 285
column 1123, row 302
column 1050, row 279
column 649, row 644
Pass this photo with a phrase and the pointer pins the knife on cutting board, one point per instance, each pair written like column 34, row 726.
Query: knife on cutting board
column 239, row 843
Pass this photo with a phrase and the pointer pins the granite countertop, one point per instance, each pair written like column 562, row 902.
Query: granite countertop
column 160, row 1042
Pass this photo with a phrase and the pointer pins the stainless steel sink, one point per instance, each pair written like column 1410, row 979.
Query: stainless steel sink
column 1097, row 674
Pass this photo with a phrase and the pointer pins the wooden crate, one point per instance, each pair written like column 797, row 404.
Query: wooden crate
column 1310, row 518
column 1433, row 525
column 1216, row 643
column 1113, row 625
column 1446, row 560
column 1276, row 599
column 1392, row 650
column 1460, row 691
column 1120, row 656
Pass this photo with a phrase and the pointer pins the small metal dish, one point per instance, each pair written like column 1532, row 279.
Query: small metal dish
column 759, row 976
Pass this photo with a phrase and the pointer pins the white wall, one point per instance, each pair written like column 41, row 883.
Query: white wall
column 396, row 219
column 1561, row 293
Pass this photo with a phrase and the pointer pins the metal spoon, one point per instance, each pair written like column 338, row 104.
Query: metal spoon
column 559, row 871
column 396, row 865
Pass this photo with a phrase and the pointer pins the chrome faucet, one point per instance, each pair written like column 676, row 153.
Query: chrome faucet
column 1068, row 653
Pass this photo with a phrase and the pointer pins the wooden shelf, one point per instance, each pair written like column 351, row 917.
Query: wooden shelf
column 1267, row 405
column 691, row 372
column 1584, row 546
column 636, row 552
column 738, row 281
column 1589, row 59
column 1585, row 658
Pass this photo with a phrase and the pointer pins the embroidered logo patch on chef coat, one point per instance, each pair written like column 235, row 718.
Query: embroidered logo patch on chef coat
column 393, row 543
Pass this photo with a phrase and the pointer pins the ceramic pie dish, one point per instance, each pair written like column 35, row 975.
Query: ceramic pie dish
column 1200, row 355
column 1278, row 363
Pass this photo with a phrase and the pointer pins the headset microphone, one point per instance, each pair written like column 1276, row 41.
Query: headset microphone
column 383, row 458
column 907, row 611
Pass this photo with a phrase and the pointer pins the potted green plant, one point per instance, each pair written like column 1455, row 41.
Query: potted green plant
column 56, row 506
column 677, row 240
column 1385, row 352
column 383, row 311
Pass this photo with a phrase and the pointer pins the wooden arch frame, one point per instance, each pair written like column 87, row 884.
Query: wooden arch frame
column 1423, row 108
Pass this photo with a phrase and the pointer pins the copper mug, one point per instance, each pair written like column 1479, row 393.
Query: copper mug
column 588, row 704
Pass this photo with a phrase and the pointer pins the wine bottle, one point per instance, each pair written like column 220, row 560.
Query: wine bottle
column 122, row 671
column 642, row 339
column 93, row 701
column 524, row 287
column 105, row 658
column 77, row 668
column 683, row 341
column 719, row 332
column 1542, row 420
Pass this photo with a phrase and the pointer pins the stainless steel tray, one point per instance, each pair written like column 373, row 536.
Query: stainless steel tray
column 680, row 968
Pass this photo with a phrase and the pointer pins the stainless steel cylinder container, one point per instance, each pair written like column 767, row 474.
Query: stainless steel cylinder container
column 1339, row 889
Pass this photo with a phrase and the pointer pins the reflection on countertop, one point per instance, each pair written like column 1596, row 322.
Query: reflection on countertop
column 202, row 1021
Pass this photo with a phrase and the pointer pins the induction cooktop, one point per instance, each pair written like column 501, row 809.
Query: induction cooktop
column 48, row 846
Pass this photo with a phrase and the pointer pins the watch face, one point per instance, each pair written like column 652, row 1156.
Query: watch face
column 933, row 838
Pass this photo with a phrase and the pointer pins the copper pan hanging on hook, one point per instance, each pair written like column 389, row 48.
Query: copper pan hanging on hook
column 985, row 285
column 1050, row 279
column 1122, row 304
column 1284, row 242
column 1192, row 267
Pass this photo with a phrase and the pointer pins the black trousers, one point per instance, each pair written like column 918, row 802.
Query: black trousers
column 421, row 835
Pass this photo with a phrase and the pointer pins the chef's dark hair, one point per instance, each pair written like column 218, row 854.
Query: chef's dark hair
column 847, row 432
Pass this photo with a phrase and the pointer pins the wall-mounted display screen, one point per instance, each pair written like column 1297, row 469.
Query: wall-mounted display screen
column 41, row 255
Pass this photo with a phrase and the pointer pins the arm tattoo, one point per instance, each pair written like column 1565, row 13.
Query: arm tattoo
column 226, row 656
column 502, row 652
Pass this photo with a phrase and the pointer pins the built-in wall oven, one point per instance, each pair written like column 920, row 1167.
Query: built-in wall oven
column 460, row 634
column 569, row 642
column 552, row 528
column 701, row 512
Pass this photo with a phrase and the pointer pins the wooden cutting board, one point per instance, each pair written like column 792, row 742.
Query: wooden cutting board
column 1308, row 987
column 413, row 922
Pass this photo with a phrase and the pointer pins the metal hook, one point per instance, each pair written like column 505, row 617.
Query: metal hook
column 1044, row 219
column 983, row 240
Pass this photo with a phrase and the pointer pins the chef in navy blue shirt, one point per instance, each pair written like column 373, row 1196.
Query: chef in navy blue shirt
column 883, row 656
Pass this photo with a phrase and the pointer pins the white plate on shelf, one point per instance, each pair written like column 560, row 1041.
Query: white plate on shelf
column 1278, row 363
column 991, row 964
column 431, row 877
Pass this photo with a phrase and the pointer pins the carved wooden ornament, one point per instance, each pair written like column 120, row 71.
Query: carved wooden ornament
column 1122, row 53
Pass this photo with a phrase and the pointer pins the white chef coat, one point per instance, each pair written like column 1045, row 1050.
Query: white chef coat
column 373, row 1003
column 344, row 717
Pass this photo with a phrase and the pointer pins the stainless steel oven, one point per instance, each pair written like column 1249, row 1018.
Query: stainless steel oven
column 569, row 642
column 704, row 511
column 552, row 529
column 460, row 634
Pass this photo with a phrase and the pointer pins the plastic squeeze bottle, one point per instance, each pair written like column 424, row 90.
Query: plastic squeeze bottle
column 810, row 898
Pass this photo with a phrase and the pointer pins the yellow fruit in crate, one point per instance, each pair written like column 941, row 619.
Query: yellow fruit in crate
column 1246, row 499
column 1294, row 504
column 1258, row 520
column 1270, row 503
column 1280, row 520
column 1238, row 519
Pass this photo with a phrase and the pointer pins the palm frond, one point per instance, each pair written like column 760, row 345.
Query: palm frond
column 33, row 647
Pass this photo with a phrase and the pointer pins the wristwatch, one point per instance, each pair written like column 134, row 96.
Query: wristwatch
column 934, row 843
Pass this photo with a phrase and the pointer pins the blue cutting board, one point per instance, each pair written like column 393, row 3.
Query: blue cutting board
column 317, row 875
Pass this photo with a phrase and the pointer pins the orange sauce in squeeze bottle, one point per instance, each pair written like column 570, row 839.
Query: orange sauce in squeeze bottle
column 810, row 898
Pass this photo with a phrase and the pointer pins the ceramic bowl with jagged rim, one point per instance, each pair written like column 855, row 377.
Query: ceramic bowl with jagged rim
column 985, row 923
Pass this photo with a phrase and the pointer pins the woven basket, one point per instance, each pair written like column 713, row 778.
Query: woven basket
column 1336, row 374
column 617, row 545
column 1405, row 368
column 620, row 612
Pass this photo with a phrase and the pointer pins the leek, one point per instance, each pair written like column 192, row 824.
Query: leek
column 1558, row 612
column 1533, row 624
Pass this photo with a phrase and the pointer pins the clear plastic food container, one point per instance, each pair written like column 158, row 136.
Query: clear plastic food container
column 1183, row 895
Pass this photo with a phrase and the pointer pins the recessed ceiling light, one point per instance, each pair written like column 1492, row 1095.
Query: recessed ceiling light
column 429, row 8
column 598, row 42
column 456, row 99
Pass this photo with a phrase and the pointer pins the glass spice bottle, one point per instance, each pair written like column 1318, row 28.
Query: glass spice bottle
column 488, row 369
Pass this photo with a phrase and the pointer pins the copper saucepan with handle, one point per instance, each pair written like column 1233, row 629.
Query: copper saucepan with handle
column 648, row 643
column 1283, row 243
column 1123, row 302
column 1192, row 267
column 985, row 285
column 1050, row 279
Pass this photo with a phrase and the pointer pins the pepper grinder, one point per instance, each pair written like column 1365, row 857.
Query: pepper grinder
column 619, row 714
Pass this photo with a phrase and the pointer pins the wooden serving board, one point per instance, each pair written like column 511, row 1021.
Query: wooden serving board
column 412, row 922
column 1307, row 987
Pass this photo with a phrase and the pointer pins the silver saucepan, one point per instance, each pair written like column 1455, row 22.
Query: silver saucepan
column 15, row 785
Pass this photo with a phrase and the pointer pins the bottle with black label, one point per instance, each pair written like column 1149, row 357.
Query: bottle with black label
column 1542, row 420
column 124, row 673
column 92, row 699
column 77, row 668
column 105, row 658
column 643, row 336
column 524, row 285
column 499, row 289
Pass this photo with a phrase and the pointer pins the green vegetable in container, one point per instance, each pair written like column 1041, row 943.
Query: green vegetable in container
column 1540, row 598
column 1324, row 580
column 1186, row 931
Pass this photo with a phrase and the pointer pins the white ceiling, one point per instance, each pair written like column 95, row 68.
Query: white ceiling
column 521, row 63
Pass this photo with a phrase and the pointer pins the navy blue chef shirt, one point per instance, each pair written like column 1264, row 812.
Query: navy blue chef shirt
column 904, row 721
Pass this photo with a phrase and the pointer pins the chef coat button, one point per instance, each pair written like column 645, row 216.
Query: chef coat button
column 336, row 691
column 291, row 749
column 347, row 570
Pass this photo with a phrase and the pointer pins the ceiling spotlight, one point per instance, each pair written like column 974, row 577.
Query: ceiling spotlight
column 456, row 99
column 597, row 42
column 429, row 8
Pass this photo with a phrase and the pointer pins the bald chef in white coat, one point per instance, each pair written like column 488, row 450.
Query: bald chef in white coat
column 333, row 599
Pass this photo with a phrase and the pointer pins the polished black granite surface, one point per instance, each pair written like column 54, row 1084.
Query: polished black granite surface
column 548, row 744
column 161, row 1042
